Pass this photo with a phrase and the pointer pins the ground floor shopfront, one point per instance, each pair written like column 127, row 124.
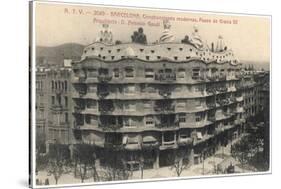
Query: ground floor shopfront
column 154, row 157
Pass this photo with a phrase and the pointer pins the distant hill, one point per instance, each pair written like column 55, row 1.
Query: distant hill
column 56, row 54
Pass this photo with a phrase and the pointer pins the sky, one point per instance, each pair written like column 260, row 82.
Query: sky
column 56, row 24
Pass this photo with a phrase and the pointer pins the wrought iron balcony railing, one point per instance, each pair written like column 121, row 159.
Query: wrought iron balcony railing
column 165, row 93
column 212, row 77
column 232, row 99
column 211, row 90
column 223, row 102
column 221, row 89
column 78, row 109
column 185, row 141
column 165, row 109
column 110, row 127
column 103, row 94
column 167, row 125
column 239, row 86
column 103, row 78
column 105, row 110
column 211, row 105
column 165, row 77
column 222, row 77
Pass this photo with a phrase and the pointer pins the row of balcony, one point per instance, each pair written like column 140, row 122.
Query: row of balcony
column 158, row 109
column 167, row 141
column 159, row 77
column 150, row 142
column 216, row 77
column 164, row 93
column 225, row 115
column 175, row 126
column 214, row 90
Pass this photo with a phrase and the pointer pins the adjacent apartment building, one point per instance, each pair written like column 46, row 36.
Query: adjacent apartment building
column 53, row 106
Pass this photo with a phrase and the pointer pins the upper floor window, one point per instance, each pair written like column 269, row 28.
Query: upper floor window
column 65, row 101
column 103, row 71
column 92, row 73
column 66, row 117
column 129, row 72
column 62, row 85
column 59, row 100
column 182, row 118
column 116, row 72
column 199, row 116
column 149, row 73
column 195, row 73
column 65, row 85
column 91, row 104
column 53, row 85
column 149, row 121
column 53, row 100
column 225, row 123
column 181, row 73
column 59, row 84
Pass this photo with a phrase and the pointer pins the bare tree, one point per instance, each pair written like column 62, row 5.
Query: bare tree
column 242, row 151
column 57, row 161
column 84, row 160
column 115, row 168
column 179, row 164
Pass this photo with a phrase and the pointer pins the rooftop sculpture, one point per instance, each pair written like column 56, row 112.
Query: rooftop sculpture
column 166, row 36
column 139, row 37
column 105, row 35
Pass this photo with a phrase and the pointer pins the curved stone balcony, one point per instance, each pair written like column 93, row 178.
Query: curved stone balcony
column 80, row 79
column 165, row 77
column 185, row 141
column 239, row 99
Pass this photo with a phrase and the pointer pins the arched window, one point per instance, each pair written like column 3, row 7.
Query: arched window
column 53, row 85
column 56, row 85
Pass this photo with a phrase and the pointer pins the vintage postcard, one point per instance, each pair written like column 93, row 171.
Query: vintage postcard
column 125, row 94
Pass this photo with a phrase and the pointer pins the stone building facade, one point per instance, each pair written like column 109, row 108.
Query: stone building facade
column 53, row 105
column 154, row 102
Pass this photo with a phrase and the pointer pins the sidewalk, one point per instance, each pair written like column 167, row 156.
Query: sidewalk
column 195, row 170
column 164, row 172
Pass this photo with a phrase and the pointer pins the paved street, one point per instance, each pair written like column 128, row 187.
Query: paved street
column 222, row 156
